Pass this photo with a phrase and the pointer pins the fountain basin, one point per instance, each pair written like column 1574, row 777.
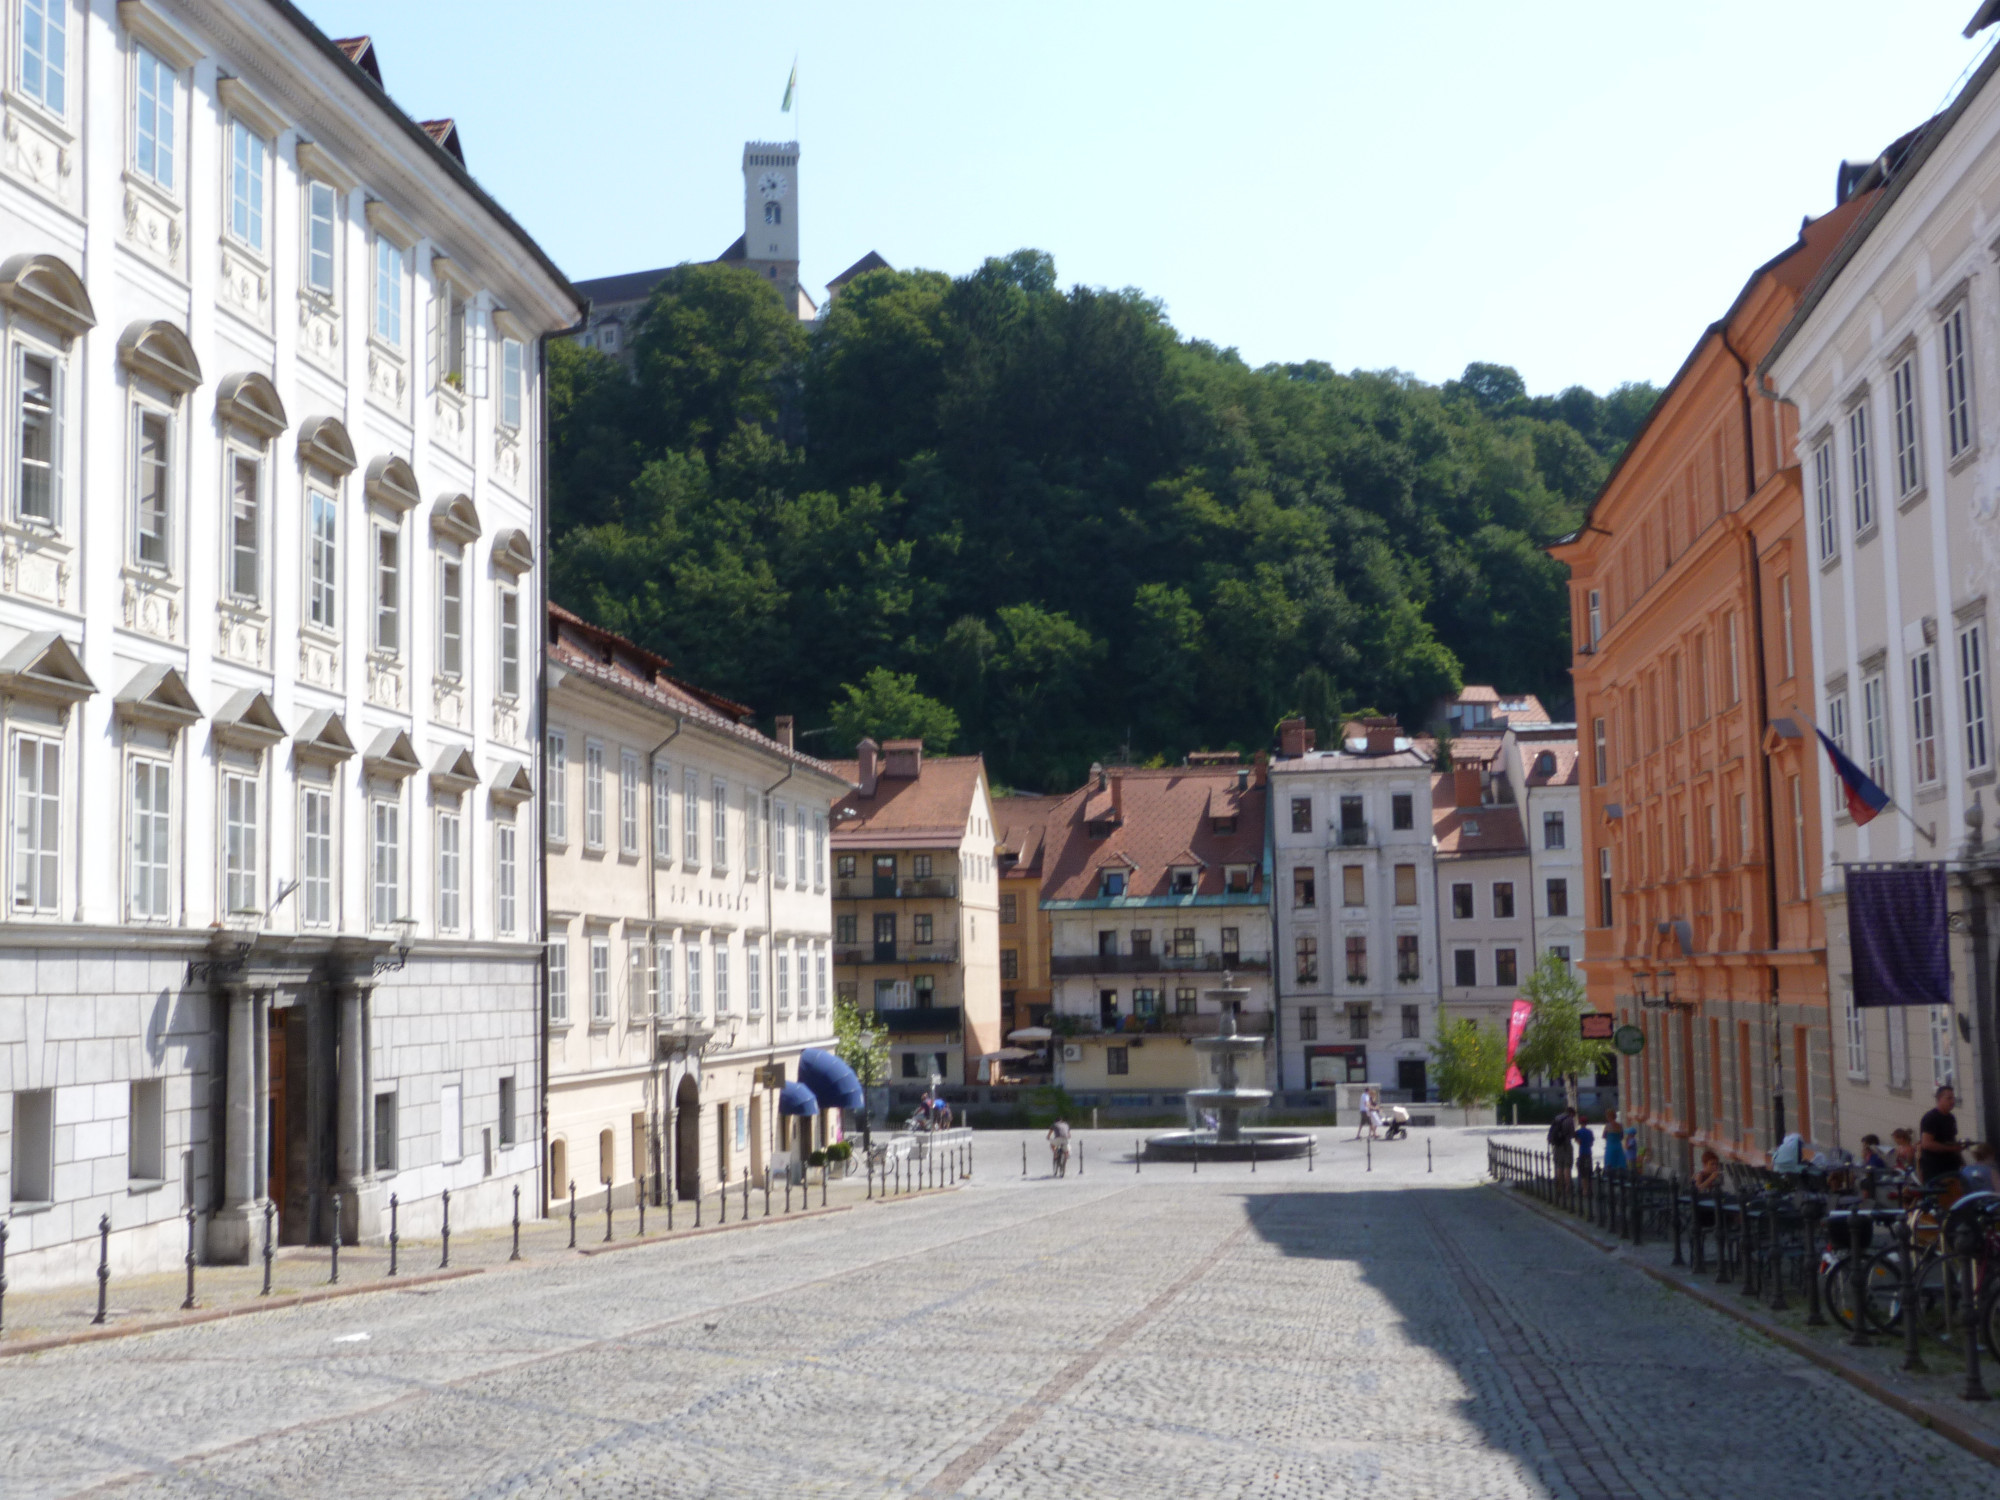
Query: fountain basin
column 1229, row 1098
column 1202, row 1145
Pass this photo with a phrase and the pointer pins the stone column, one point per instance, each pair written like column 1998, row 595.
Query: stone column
column 359, row 1196
column 231, row 1234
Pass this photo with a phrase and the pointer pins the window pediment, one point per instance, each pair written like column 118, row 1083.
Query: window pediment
column 44, row 666
column 158, row 695
column 43, row 288
column 250, row 401
column 316, row 161
column 249, row 720
column 159, row 352
column 455, row 771
column 510, row 327
column 455, row 518
column 391, row 225
column 513, row 552
column 512, row 785
column 392, row 482
column 324, row 444
column 243, row 102
column 323, row 737
column 158, row 33
column 391, row 756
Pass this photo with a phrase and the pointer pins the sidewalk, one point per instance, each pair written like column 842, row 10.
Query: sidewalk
column 54, row 1316
column 1933, row 1400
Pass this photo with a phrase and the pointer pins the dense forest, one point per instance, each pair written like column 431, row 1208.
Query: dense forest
column 1037, row 522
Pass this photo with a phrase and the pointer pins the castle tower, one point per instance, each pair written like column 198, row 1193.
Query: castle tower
column 770, row 240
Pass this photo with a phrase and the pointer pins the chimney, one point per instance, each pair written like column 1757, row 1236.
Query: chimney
column 785, row 731
column 1243, row 779
column 870, row 770
column 1260, row 771
column 1295, row 738
column 1118, row 799
column 1097, row 774
column 903, row 759
column 1465, row 787
column 1382, row 737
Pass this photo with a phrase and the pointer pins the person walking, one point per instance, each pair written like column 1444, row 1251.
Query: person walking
column 1938, row 1147
column 1562, row 1144
column 1059, row 1147
column 1586, row 1139
column 1614, row 1143
column 1364, row 1119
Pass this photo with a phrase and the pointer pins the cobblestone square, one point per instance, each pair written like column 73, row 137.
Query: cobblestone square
column 1121, row 1333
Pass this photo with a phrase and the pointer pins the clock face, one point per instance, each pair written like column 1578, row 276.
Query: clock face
column 771, row 185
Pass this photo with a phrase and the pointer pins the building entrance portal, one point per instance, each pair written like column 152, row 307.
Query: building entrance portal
column 687, row 1140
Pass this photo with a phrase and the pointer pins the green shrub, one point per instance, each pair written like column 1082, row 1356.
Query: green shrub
column 1047, row 1104
column 840, row 1151
column 816, row 1158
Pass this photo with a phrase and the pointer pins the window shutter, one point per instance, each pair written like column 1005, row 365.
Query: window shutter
column 481, row 359
column 434, row 336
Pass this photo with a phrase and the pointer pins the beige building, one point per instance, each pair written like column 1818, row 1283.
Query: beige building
column 916, row 907
column 690, row 926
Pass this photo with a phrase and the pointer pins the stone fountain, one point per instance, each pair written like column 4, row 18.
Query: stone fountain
column 1228, row 1141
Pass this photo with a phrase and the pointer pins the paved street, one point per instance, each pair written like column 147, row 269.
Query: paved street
column 1392, row 1333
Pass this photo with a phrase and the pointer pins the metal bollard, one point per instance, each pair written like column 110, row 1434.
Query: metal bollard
column 722, row 1194
column 641, row 1196
column 1913, row 1353
column 392, row 1234
column 1370, row 1149
column 871, row 1181
column 103, row 1264
column 746, row 1193
column 1751, row 1243
column 1079, row 1147
column 1024, row 1158
column 1857, row 1281
column 188, row 1305
column 788, row 1192
column 607, row 1210
column 1674, row 1209
column 333, row 1277
column 1427, row 1154
column 517, row 1223
column 1777, row 1262
column 1697, row 1264
column 1815, row 1315
column 1253, row 1158
column 3, row 1275
column 271, row 1208
column 1724, row 1272
column 1137, row 1152
column 767, row 1189
column 1312, row 1141
column 572, row 1213
column 697, row 1197
column 1638, row 1214
column 444, row 1234
column 1975, row 1386
column 822, row 1186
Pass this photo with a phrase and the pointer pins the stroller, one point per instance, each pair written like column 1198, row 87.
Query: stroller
column 1398, row 1122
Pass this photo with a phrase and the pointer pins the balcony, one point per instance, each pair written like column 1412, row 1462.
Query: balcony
column 1354, row 838
column 1159, row 963
column 1199, row 1023
column 923, row 1020
column 943, row 951
column 868, row 888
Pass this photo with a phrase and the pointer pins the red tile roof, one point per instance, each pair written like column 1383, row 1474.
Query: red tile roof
column 1467, row 832
column 1164, row 820
column 1532, row 750
column 1022, row 820
column 928, row 810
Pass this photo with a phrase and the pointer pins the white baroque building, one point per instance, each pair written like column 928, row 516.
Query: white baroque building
column 270, row 510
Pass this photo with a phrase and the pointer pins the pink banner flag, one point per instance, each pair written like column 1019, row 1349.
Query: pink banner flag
column 1516, row 1024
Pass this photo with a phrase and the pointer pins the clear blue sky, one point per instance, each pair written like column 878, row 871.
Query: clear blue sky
column 1573, row 189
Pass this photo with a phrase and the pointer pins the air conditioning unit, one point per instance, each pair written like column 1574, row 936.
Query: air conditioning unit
column 1072, row 1052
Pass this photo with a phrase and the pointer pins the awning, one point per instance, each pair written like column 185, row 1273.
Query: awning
column 832, row 1082
column 797, row 1099
column 1030, row 1034
column 1008, row 1054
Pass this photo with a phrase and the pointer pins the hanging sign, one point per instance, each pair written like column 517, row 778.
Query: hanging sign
column 1629, row 1040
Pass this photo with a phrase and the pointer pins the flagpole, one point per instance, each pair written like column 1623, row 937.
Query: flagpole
column 1929, row 837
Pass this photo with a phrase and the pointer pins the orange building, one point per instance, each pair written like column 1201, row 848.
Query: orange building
column 1693, row 641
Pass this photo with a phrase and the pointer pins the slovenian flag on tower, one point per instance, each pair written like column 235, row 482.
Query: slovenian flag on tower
column 1864, row 798
column 790, row 84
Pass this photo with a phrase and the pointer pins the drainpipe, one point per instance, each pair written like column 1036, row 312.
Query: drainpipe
column 540, row 752
column 652, row 916
column 1771, row 1041
column 770, row 1122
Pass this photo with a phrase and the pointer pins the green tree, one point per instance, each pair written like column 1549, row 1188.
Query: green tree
column 861, row 1042
column 1553, row 1044
column 1469, row 1063
column 712, row 344
column 887, row 706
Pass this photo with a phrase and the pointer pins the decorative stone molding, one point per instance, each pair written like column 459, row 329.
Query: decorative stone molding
column 513, row 552
column 319, row 330
column 157, row 695
column 450, row 425
column 323, row 737
column 45, row 290
column 507, row 457
column 507, row 722
column 319, row 663
column 324, row 444
column 249, row 400
column 34, row 571
column 44, row 666
column 448, row 701
column 245, row 286
column 151, row 608
column 152, row 225
column 159, row 352
column 166, row 39
column 392, row 482
column 387, row 380
column 385, row 682
column 243, row 102
column 242, row 634
column 38, row 155
column 316, row 161
column 456, row 519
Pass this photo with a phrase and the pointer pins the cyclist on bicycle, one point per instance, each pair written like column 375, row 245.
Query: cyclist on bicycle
column 1059, row 1147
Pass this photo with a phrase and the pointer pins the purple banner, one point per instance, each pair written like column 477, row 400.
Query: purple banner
column 1896, row 934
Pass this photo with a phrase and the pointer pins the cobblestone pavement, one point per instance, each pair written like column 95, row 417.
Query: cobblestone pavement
column 1340, row 1332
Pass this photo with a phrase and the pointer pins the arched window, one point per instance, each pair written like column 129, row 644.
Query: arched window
column 558, row 1168
column 774, row 213
column 1545, row 764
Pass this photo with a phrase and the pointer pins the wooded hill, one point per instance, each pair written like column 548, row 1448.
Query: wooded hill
column 1038, row 523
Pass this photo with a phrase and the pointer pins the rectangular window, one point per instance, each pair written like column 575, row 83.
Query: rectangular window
column 247, row 152
column 513, row 382
column 1957, row 383
column 152, row 839
column 628, row 802
column 1461, row 902
column 785, row 982
column 781, row 841
column 600, row 979
column 1503, row 900
column 1903, row 401
column 1010, row 909
column 819, row 980
column 450, row 868
column 323, row 587
column 1601, row 745
column 153, row 122
column 510, row 643
column 1972, row 694
column 718, row 829
column 1557, row 893
column 1800, row 887
column 451, row 617
column 1308, row 1023
column 150, row 489
column 1413, row 1023
column 691, row 817
column 1304, row 888
column 801, row 854
column 1700, row 677
column 1465, row 967
column 388, row 292
column 663, row 811
column 45, row 52
column 506, row 875
column 146, row 1131
column 1944, row 1056
column 1875, row 730
column 1896, row 1021
column 1357, row 959
column 1825, row 507
column 1406, row 885
column 1503, row 966
column 1117, row 1061
column 1302, row 815
column 638, row 993
column 387, row 861
column 753, row 972
column 388, row 589
column 451, row 1122
column 316, row 855
column 239, row 842
column 321, row 208
column 1357, row 1023
column 40, row 443
column 1789, row 648
column 1860, row 468
column 34, row 1133
column 1408, row 965
column 1402, row 811
column 593, row 795
column 246, row 529
column 1353, row 885
column 1857, row 1036
column 663, row 974
column 819, row 851
column 1735, row 658
column 1306, row 952
column 508, row 1111
column 1010, row 964
column 1552, row 830
column 555, row 786
column 1836, row 721
column 1595, row 612
column 558, row 951
column 721, row 979
column 385, row 1132
column 1742, row 828
column 757, row 834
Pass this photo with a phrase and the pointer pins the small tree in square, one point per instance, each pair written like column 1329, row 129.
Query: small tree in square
column 1470, row 1063
column 862, row 1042
column 1553, row 1044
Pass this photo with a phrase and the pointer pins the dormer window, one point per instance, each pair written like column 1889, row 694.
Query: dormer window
column 1183, row 880
column 1222, row 825
column 1111, row 883
column 1470, row 828
column 1236, row 879
column 1545, row 764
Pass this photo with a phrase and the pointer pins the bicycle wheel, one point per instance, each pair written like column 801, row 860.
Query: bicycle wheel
column 1989, row 1322
column 1937, row 1296
column 1883, row 1281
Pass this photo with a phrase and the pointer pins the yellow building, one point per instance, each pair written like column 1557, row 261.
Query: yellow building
column 1022, row 821
column 916, row 907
